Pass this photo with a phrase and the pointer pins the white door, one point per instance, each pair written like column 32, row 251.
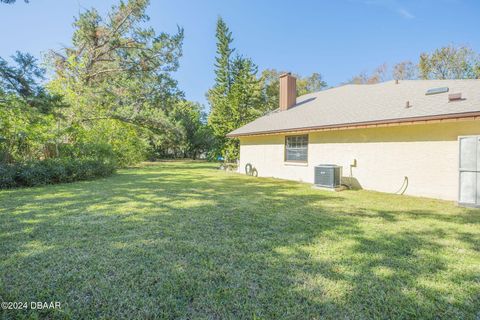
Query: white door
column 469, row 193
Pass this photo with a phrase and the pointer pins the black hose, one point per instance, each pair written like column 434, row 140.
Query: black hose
column 403, row 187
column 248, row 169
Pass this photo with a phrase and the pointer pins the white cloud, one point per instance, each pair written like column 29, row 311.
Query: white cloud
column 405, row 13
column 392, row 5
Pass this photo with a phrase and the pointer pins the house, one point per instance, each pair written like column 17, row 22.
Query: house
column 418, row 136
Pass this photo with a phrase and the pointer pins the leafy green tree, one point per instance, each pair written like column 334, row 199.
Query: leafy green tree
column 450, row 62
column 23, row 79
column 245, row 102
column 117, row 77
column 125, row 143
column 27, row 111
column 25, row 132
column 118, row 69
column 245, row 95
column 309, row 84
column 197, row 136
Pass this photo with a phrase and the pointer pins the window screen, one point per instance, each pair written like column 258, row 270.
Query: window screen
column 296, row 148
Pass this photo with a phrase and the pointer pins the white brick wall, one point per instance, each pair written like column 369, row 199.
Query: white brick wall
column 426, row 153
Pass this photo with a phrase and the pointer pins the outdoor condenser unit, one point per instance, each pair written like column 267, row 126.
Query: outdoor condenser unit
column 328, row 175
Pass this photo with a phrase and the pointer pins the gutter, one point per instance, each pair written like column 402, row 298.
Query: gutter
column 475, row 115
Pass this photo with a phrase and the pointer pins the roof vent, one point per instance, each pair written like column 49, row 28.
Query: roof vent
column 408, row 105
column 436, row 90
column 455, row 96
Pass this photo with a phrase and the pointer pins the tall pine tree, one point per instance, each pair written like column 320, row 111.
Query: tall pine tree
column 245, row 100
column 236, row 97
column 218, row 95
column 223, row 68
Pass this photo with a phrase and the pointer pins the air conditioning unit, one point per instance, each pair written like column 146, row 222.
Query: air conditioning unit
column 328, row 175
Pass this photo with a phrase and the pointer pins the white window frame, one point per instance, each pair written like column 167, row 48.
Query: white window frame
column 300, row 143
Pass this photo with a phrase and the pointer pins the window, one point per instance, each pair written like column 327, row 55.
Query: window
column 296, row 148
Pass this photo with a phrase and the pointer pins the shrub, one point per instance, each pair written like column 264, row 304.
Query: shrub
column 95, row 151
column 52, row 171
column 7, row 175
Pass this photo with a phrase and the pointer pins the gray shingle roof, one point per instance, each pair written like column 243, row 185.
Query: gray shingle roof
column 357, row 104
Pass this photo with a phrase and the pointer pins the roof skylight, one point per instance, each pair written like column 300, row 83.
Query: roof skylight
column 436, row 90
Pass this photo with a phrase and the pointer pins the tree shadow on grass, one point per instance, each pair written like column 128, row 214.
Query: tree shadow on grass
column 177, row 241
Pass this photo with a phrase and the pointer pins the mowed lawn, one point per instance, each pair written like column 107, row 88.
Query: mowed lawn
column 182, row 240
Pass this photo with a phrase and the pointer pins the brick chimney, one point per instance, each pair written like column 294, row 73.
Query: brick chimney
column 288, row 91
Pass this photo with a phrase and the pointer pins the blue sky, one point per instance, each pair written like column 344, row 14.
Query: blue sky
column 338, row 38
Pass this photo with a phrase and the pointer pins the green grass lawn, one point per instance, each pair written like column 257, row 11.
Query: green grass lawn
column 181, row 240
